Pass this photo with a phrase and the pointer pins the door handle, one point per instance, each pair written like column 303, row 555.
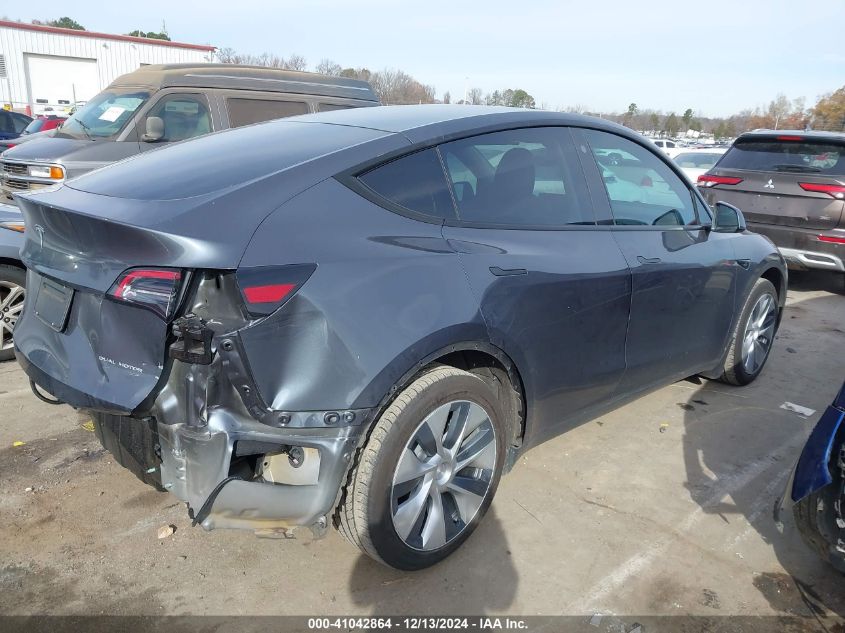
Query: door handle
column 504, row 272
column 648, row 260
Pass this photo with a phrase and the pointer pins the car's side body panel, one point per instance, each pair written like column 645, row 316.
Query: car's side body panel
column 387, row 292
column 561, row 315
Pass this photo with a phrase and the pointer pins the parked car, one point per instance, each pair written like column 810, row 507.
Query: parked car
column 695, row 162
column 815, row 489
column 12, row 276
column 12, row 124
column 362, row 318
column 663, row 143
column 790, row 186
column 159, row 104
column 38, row 125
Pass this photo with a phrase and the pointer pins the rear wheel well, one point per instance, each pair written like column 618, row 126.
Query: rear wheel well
column 14, row 263
column 502, row 376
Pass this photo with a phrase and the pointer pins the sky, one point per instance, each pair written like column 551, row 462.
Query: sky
column 716, row 57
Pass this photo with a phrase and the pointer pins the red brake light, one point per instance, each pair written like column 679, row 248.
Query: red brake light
column 834, row 191
column 154, row 289
column 268, row 294
column 708, row 180
column 265, row 289
column 786, row 137
column 831, row 239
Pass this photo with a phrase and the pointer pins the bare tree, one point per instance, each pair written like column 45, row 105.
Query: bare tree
column 474, row 96
column 328, row 67
column 295, row 62
column 396, row 87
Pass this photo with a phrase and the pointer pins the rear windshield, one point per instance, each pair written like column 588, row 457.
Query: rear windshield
column 216, row 161
column 804, row 156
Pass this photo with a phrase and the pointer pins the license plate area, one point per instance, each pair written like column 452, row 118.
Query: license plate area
column 52, row 304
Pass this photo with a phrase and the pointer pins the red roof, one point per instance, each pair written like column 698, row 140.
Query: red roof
column 104, row 36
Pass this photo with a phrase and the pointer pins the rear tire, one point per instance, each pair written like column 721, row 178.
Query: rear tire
column 753, row 335
column 12, row 293
column 406, row 504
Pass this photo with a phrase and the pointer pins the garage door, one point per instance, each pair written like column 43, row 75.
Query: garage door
column 55, row 83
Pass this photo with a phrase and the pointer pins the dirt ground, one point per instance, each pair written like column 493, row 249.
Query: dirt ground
column 661, row 507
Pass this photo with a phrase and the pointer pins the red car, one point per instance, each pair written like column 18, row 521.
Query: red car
column 41, row 123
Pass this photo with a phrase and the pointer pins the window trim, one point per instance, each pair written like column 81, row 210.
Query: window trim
column 598, row 189
column 350, row 178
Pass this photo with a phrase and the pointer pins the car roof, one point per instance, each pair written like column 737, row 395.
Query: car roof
column 810, row 134
column 429, row 121
column 240, row 77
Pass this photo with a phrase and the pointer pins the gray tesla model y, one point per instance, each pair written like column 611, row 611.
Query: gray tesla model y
column 361, row 318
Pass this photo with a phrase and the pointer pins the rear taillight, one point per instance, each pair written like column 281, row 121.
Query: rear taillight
column 831, row 240
column 788, row 137
column 152, row 288
column 266, row 288
column 709, row 180
column 834, row 191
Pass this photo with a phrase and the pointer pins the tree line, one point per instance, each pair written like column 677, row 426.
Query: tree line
column 69, row 23
column 782, row 113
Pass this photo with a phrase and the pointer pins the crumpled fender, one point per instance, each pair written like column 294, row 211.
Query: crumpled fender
column 812, row 471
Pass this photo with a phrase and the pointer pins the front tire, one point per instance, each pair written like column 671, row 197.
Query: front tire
column 816, row 519
column 428, row 472
column 12, row 293
column 753, row 336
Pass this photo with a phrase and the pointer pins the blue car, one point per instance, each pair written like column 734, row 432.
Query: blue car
column 12, row 124
column 816, row 489
column 12, row 276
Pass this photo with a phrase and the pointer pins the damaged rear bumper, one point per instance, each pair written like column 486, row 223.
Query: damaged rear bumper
column 197, row 467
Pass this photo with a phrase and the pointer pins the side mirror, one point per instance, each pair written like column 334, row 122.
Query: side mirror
column 155, row 130
column 728, row 219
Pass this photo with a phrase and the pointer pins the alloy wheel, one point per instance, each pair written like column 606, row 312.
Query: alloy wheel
column 443, row 475
column 759, row 332
column 11, row 304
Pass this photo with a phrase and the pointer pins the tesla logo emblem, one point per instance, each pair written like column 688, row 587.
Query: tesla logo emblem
column 40, row 230
column 770, row 184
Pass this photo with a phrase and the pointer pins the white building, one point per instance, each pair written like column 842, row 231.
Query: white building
column 44, row 67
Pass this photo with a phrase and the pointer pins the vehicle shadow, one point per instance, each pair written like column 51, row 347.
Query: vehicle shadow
column 738, row 455
column 479, row 578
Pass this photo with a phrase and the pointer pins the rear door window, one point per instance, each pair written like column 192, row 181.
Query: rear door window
column 248, row 111
column 642, row 189
column 415, row 182
column 776, row 154
column 521, row 178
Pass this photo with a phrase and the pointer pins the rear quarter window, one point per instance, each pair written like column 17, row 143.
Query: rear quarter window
column 415, row 182
column 806, row 156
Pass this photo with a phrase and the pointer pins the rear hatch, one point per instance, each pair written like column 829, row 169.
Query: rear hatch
column 782, row 179
column 111, row 254
column 101, row 295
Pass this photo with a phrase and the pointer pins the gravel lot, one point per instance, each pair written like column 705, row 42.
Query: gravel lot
column 661, row 507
